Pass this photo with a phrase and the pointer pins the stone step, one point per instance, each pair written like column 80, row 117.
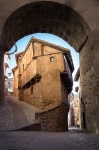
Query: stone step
column 32, row 127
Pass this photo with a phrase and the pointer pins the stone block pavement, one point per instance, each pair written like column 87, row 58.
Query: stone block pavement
column 21, row 140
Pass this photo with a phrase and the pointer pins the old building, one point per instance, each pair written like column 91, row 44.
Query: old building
column 71, row 121
column 73, row 115
column 43, row 78
column 15, row 72
column 9, row 86
column 15, row 85
column 6, row 66
column 6, row 63
column 76, row 110
column 80, row 100
column 8, row 80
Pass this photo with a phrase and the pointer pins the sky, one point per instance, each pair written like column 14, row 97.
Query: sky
column 21, row 44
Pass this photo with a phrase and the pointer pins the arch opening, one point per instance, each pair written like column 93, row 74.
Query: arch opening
column 60, row 20
column 49, row 38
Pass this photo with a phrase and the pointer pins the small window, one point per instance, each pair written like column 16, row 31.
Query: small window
column 51, row 59
column 31, row 90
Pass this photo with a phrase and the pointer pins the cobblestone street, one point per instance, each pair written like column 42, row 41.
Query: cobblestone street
column 48, row 141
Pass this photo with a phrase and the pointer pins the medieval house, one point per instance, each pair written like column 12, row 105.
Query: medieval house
column 80, row 101
column 8, row 80
column 43, row 78
column 6, row 64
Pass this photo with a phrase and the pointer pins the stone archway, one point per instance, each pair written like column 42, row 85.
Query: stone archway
column 58, row 19
column 45, row 17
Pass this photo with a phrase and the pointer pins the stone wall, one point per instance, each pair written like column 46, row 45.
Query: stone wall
column 47, row 18
column 37, row 100
column 89, row 60
column 21, row 94
column 54, row 119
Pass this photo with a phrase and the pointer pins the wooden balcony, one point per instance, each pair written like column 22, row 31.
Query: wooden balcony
column 67, row 80
column 33, row 81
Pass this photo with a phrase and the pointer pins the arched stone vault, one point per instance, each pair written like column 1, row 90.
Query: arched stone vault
column 75, row 21
column 45, row 17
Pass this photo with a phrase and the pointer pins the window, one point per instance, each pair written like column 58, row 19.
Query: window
column 51, row 59
column 31, row 90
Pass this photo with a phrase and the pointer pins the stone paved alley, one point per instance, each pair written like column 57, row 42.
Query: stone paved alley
column 74, row 139
column 20, row 140
column 15, row 114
